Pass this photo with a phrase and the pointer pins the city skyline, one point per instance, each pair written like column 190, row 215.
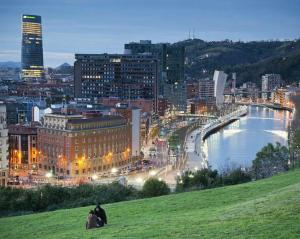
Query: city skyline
column 71, row 27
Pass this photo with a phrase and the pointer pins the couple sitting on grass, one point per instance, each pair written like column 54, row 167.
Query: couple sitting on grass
column 96, row 218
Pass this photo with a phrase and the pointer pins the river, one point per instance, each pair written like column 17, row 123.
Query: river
column 237, row 144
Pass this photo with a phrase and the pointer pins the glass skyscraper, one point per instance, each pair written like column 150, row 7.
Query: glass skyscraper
column 32, row 48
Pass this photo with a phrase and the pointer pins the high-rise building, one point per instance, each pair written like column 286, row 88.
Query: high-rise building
column 206, row 90
column 219, row 80
column 126, row 77
column 269, row 82
column 32, row 48
column 171, row 83
column 175, row 86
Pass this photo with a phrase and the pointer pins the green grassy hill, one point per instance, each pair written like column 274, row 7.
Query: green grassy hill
column 264, row 209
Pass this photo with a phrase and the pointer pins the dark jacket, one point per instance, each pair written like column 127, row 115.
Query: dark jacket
column 101, row 214
column 91, row 221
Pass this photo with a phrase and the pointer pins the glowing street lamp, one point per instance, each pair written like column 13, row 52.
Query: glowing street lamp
column 139, row 180
column 49, row 175
column 95, row 177
column 114, row 170
column 152, row 173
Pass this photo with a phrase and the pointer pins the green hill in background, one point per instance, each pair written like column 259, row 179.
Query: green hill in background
column 267, row 208
column 249, row 59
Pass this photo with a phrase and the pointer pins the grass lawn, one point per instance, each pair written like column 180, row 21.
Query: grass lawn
column 264, row 209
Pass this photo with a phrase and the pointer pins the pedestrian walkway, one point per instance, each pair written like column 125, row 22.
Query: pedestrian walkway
column 195, row 160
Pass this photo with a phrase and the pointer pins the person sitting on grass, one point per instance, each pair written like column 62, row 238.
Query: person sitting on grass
column 101, row 215
column 92, row 221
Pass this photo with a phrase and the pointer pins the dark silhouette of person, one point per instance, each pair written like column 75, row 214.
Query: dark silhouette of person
column 92, row 221
column 100, row 214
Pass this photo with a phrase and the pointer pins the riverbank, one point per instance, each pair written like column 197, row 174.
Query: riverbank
column 196, row 158
column 270, row 106
column 223, row 121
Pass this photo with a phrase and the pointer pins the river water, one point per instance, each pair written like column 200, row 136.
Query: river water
column 237, row 144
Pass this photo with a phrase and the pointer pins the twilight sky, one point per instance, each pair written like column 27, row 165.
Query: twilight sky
column 98, row 26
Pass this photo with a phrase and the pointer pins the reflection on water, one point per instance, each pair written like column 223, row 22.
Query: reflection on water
column 280, row 133
column 237, row 144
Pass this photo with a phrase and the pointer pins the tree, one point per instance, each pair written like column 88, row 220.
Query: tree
column 270, row 160
column 295, row 148
column 236, row 176
column 154, row 187
column 201, row 179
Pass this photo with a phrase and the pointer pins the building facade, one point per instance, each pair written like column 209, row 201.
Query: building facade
column 171, row 82
column 3, row 138
column 219, row 85
column 81, row 145
column 133, row 116
column 126, row 77
column 206, row 90
column 23, row 151
column 32, row 48
column 3, row 146
column 280, row 96
column 270, row 82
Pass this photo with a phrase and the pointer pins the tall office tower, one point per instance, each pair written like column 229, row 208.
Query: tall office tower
column 219, row 80
column 32, row 48
column 170, row 58
column 175, row 85
column 126, row 77
column 157, row 50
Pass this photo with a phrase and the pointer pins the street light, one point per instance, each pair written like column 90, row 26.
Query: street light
column 48, row 175
column 139, row 180
column 114, row 170
column 95, row 177
column 152, row 173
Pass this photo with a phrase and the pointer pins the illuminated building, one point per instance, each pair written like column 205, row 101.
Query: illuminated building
column 32, row 48
column 23, row 151
column 79, row 145
column 171, row 82
column 206, row 90
column 280, row 96
column 125, row 77
column 269, row 82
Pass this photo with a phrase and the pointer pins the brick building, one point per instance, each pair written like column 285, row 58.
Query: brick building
column 83, row 144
